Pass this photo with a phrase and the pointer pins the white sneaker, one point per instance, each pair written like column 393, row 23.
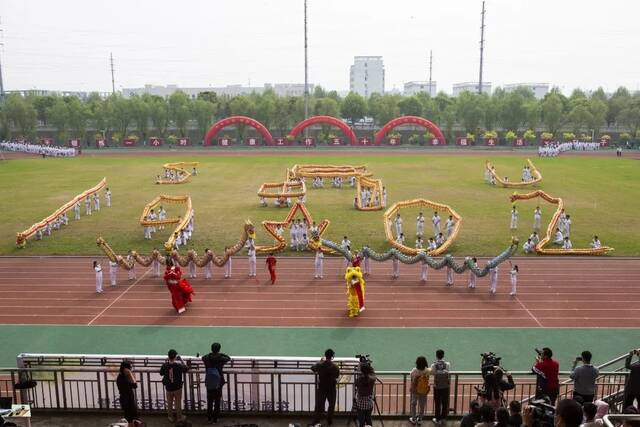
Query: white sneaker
column 361, row 309
column 513, row 294
column 413, row 420
column 182, row 310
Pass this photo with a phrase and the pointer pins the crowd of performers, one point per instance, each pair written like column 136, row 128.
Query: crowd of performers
column 174, row 175
column 490, row 177
column 433, row 242
column 181, row 236
column 43, row 150
column 553, row 149
column 91, row 203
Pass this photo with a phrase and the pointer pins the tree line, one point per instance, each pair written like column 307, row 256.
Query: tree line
column 501, row 113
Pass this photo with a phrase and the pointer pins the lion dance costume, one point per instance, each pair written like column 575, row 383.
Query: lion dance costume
column 179, row 288
column 355, row 291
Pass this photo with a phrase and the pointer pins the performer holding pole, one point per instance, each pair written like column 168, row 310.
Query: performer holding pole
column 271, row 266
column 179, row 288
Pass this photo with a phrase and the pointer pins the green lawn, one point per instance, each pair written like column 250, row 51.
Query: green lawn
column 601, row 195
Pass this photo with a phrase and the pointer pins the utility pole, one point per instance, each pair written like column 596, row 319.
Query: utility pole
column 306, row 69
column 113, row 80
column 481, row 50
column 1, row 82
column 430, row 70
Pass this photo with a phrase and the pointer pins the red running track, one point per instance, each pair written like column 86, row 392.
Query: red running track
column 552, row 292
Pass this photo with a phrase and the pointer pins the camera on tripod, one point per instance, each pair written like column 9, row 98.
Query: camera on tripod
column 489, row 363
column 543, row 413
column 363, row 359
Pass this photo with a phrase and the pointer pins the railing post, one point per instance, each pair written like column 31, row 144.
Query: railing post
column 404, row 393
column 64, row 390
column 99, row 389
column 106, row 389
column 455, row 394
column 280, row 393
column 273, row 395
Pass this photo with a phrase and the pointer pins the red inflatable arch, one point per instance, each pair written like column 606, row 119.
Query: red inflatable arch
column 327, row 120
column 234, row 120
column 409, row 120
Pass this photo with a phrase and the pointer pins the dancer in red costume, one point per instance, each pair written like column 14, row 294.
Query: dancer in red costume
column 271, row 265
column 356, row 260
column 180, row 289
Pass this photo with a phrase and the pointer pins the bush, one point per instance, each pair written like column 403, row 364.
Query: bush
column 510, row 136
column 546, row 136
column 491, row 134
column 471, row 136
column 585, row 137
column 529, row 135
column 569, row 136
column 413, row 139
column 606, row 137
column 625, row 137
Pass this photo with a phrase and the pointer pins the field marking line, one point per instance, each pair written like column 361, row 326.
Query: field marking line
column 119, row 296
column 529, row 312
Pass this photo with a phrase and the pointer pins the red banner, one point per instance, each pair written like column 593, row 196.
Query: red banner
column 129, row 143
column 519, row 142
column 46, row 141
column 309, row 142
column 464, row 142
column 604, row 142
column 252, row 141
column 225, row 142
column 183, row 142
column 155, row 142
column 436, row 141
column 491, row 142
column 75, row 143
column 335, row 141
column 364, row 141
column 100, row 143
column 281, row 141
column 394, row 141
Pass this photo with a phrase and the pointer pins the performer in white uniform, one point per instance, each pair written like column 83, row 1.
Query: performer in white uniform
column 514, row 219
column 96, row 201
column 450, row 224
column 155, row 265
column 98, row 269
column 227, row 265
column 423, row 271
column 528, row 246
column 113, row 272
column 472, row 276
column 251, row 253
column 318, row 263
column 132, row 261
column 567, row 243
column 559, row 238
column 449, row 276
column 192, row 265
column 107, row 197
column 87, row 206
column 595, row 243
column 420, row 225
column 398, row 224
column 537, row 217
column 514, row 278
column 208, row 267
column 366, row 263
column 396, row 268
column 435, row 219
column 76, row 210
column 493, row 280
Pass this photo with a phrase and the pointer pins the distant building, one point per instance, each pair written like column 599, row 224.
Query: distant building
column 366, row 75
column 458, row 88
column 413, row 88
column 539, row 89
column 280, row 89
column 43, row 92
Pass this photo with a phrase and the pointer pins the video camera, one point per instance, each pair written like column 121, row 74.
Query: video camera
column 489, row 363
column 364, row 359
column 543, row 413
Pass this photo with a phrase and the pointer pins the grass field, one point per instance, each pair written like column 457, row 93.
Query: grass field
column 601, row 195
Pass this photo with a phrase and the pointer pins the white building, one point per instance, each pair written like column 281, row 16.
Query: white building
column 458, row 88
column 280, row 89
column 45, row 92
column 539, row 89
column 366, row 75
column 413, row 88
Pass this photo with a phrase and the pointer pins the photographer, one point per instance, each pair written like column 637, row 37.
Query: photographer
column 568, row 413
column 584, row 377
column 328, row 373
column 547, row 370
column 172, row 379
column 495, row 386
column 632, row 388
column 365, row 385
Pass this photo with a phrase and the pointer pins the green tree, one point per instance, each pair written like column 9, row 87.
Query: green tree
column 410, row 106
column 552, row 112
column 448, row 119
column 382, row 108
column 469, row 111
column 319, row 92
column 618, row 101
column 598, row 110
column 209, row 96
column 180, row 111
column 353, row 107
column 533, row 110
column 120, row 112
column 58, row 115
column 204, row 113
column 42, row 104
column 491, row 107
column 580, row 117
column 629, row 116
column 513, row 112
column 78, row 117
column 265, row 109
column 140, row 110
column 159, row 114
column 241, row 106
column 20, row 114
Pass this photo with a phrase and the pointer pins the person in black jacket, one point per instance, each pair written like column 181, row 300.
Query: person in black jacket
column 216, row 360
column 495, row 386
column 473, row 417
column 328, row 373
column 127, row 388
column 172, row 378
column 632, row 388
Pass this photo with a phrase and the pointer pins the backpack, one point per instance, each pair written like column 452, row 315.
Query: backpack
column 441, row 374
column 422, row 385
column 173, row 379
column 212, row 379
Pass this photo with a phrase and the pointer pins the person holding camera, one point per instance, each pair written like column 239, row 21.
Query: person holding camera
column 584, row 377
column 172, row 379
column 365, row 386
column 328, row 373
column 495, row 386
column 127, row 386
column 547, row 370
column 632, row 388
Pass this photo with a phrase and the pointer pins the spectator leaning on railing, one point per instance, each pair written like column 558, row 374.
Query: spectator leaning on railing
column 328, row 373
column 172, row 378
column 441, row 386
column 632, row 388
column 584, row 377
column 214, row 379
column 547, row 371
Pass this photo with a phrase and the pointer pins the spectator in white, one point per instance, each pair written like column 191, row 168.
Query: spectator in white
column 328, row 374
column 98, row 269
column 214, row 380
column 419, row 389
column 567, row 243
column 528, row 246
column 632, row 388
column 589, row 409
column 584, row 377
column 558, row 239
column 441, row 386
column 595, row 243
column 172, row 378
column 473, row 417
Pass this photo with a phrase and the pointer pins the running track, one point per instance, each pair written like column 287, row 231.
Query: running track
column 552, row 292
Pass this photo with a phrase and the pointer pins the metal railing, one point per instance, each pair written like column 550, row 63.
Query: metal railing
column 93, row 388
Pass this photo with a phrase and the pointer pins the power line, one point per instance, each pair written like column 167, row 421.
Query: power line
column 481, row 50
column 306, row 68
column 1, row 81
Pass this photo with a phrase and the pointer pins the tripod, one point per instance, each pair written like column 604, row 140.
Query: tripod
column 354, row 412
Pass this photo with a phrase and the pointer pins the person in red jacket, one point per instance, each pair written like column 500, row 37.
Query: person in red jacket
column 179, row 288
column 547, row 371
column 271, row 266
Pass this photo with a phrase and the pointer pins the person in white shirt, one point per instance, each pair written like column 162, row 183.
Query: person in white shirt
column 487, row 175
column 537, row 217
column 153, row 217
column 432, row 245
column 567, row 243
column 534, row 238
column 263, row 202
column 424, row 271
column 514, row 218
column 38, row 234
column 472, row 276
column 595, row 243
column 162, row 215
column 113, row 272
column 96, row 201
column 366, row 262
column 400, row 239
column 352, row 181
column 450, row 224
column 87, row 206
column 435, row 219
column 293, row 234
column 147, row 229
column 208, row 267
column 76, row 210
column 279, row 231
column 558, row 239
column 567, row 226
column 395, row 263
column 192, row 263
column 493, row 280
column 65, row 219
column 514, row 278
column 98, row 269
column 251, row 253
column 107, row 197
column 155, row 265
column 384, row 195
column 420, row 225
column 439, row 240
column 131, row 260
column 528, row 246
column 346, row 243
column 227, row 265
column 319, row 260
column 419, row 244
column 449, row 276
column 563, row 217
column 398, row 224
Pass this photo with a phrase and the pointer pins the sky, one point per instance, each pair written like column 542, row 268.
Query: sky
column 65, row 44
